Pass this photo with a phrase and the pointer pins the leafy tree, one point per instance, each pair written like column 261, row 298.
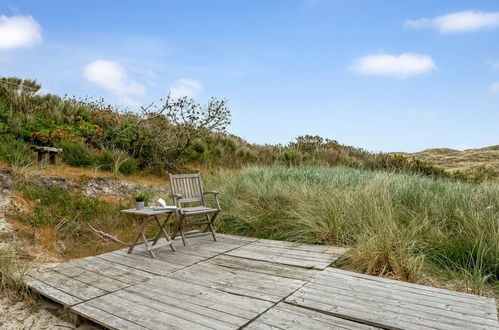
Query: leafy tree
column 177, row 123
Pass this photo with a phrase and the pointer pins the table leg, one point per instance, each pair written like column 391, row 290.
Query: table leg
column 163, row 230
column 156, row 239
column 140, row 232
column 147, row 245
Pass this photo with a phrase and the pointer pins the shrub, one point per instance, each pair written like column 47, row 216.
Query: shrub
column 76, row 153
column 15, row 152
column 128, row 166
column 116, row 161
column 290, row 158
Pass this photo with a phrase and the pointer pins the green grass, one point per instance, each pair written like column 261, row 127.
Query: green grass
column 14, row 265
column 15, row 152
column 396, row 224
column 76, row 153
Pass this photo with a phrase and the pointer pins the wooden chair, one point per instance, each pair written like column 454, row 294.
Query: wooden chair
column 188, row 189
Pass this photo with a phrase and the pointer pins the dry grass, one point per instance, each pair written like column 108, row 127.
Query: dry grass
column 470, row 162
column 71, row 172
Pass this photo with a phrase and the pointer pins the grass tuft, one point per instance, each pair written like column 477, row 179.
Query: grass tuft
column 397, row 224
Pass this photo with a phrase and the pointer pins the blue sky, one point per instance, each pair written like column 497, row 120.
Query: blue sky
column 381, row 75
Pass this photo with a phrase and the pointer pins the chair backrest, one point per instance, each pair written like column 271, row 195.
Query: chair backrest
column 187, row 185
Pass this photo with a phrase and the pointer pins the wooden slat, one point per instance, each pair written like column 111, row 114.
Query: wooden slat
column 68, row 285
column 286, row 316
column 298, row 254
column 246, row 283
column 182, row 317
column 169, row 303
column 113, row 270
column 232, row 239
column 52, row 292
column 178, row 259
column 104, row 318
column 303, row 247
column 333, row 272
column 256, row 253
column 419, row 299
column 420, row 315
column 181, row 301
column 147, row 264
column 240, row 306
column 390, row 304
column 145, row 316
column 264, row 267
column 94, row 279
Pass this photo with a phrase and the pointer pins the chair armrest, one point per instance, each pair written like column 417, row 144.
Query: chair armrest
column 214, row 193
column 175, row 196
column 176, row 199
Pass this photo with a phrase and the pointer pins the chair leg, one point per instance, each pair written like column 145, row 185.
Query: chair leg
column 212, row 232
column 180, row 229
column 210, row 225
column 183, row 237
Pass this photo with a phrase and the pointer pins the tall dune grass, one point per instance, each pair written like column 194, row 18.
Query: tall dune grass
column 396, row 224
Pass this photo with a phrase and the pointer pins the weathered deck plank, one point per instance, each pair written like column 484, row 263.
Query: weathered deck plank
column 68, row 285
column 142, row 263
column 272, row 255
column 389, row 303
column 238, row 281
column 88, row 277
column 52, row 292
column 328, row 249
column 171, row 303
column 421, row 300
column 286, row 316
column 264, row 267
column 113, row 270
column 104, row 318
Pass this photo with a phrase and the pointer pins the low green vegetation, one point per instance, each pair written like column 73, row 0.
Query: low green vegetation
column 69, row 220
column 15, row 152
column 402, row 225
column 14, row 265
column 170, row 136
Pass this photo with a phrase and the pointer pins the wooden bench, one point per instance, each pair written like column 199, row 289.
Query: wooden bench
column 46, row 154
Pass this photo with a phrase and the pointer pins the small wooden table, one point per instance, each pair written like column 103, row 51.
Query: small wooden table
column 142, row 217
column 46, row 154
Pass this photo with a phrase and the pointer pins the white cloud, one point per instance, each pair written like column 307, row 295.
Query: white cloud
column 113, row 77
column 463, row 21
column 494, row 88
column 428, row 115
column 185, row 87
column 403, row 65
column 19, row 31
column 493, row 64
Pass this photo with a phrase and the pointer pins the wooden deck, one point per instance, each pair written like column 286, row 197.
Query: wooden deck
column 241, row 282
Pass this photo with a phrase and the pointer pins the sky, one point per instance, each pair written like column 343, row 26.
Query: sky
column 381, row 75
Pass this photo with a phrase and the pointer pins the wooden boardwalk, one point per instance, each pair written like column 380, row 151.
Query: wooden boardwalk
column 241, row 282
